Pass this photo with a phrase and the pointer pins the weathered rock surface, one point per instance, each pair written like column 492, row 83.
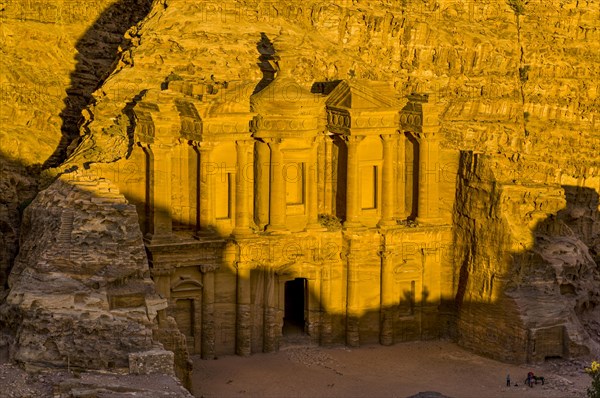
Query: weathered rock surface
column 63, row 384
column 527, row 284
column 54, row 55
column 518, row 84
column 80, row 292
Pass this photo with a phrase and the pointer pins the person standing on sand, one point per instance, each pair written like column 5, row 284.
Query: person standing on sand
column 507, row 380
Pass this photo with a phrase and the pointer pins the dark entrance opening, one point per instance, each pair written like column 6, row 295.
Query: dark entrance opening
column 295, row 304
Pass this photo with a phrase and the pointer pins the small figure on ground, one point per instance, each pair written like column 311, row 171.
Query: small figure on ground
column 529, row 380
column 508, row 380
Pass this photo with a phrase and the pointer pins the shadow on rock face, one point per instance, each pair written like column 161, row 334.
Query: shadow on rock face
column 97, row 52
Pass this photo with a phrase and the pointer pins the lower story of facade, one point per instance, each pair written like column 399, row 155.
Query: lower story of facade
column 242, row 296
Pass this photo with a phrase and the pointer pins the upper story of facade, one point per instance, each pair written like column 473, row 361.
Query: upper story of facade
column 233, row 158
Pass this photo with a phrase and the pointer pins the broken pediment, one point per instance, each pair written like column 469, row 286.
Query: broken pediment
column 363, row 95
column 186, row 284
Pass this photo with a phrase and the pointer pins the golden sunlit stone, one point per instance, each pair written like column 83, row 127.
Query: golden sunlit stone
column 351, row 173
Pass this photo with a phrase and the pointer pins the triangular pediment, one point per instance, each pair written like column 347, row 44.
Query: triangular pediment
column 363, row 94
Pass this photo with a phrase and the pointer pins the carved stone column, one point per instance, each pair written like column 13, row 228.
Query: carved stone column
column 270, row 323
column 313, row 187
column 277, row 203
column 242, row 208
column 386, row 315
column 352, row 307
column 400, row 211
column 159, row 190
column 162, row 281
column 208, row 314
column 352, row 182
column 206, row 183
column 243, row 329
column 388, row 191
column 427, row 211
column 198, row 324
column 329, row 176
column 326, row 332
column 192, row 164
column 321, row 169
column 261, row 184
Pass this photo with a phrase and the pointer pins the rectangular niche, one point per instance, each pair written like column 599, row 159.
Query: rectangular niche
column 224, row 195
column 369, row 187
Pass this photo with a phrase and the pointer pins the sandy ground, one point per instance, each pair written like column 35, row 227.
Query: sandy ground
column 376, row 371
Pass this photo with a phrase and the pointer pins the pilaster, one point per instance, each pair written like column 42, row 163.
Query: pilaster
column 352, row 182
column 388, row 191
column 242, row 199
column 386, row 315
column 243, row 346
column 277, row 204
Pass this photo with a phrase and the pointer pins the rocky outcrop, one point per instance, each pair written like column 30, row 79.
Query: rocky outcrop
column 526, row 282
column 18, row 187
column 80, row 292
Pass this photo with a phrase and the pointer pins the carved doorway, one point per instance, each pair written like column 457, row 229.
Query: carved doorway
column 295, row 306
column 184, row 316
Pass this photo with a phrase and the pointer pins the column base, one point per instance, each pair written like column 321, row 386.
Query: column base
column 277, row 230
column 315, row 227
column 242, row 233
column 158, row 239
column 204, row 233
column 352, row 224
column 429, row 221
column 391, row 222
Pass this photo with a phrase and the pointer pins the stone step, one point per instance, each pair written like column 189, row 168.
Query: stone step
column 66, row 227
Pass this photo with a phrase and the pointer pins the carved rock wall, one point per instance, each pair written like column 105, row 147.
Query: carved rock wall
column 518, row 83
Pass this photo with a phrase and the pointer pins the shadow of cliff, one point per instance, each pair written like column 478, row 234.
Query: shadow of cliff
column 97, row 52
column 18, row 187
column 550, row 291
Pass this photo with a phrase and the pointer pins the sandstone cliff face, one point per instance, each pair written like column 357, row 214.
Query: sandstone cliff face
column 527, row 284
column 80, row 291
column 489, row 63
column 54, row 55
column 519, row 83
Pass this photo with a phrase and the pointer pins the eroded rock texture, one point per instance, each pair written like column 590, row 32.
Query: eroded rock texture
column 513, row 94
column 54, row 55
column 80, row 292
column 527, row 284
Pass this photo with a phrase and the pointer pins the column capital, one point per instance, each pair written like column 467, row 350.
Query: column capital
column 432, row 135
column 273, row 141
column 161, row 146
column 244, row 143
column 243, row 265
column 161, row 272
column 205, row 268
column 316, row 140
column 204, row 145
column 389, row 137
column 353, row 139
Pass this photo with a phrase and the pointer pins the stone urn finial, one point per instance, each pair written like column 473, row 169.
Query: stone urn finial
column 285, row 45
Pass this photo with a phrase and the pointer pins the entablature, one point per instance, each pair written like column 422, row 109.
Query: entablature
column 275, row 126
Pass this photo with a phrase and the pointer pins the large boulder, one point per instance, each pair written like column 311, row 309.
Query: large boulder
column 80, row 291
